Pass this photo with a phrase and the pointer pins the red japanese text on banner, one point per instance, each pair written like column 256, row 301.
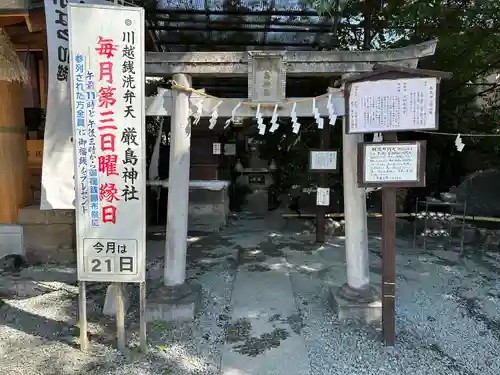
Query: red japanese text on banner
column 109, row 141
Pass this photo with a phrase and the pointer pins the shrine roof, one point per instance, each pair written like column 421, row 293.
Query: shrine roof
column 232, row 25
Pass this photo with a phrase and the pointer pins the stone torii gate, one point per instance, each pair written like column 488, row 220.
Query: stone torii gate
column 274, row 66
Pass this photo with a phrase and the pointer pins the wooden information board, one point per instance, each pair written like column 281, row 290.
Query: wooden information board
column 392, row 105
column 398, row 164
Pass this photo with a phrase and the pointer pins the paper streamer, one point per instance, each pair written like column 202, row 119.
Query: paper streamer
column 458, row 143
column 198, row 104
column 260, row 121
column 215, row 115
column 233, row 115
column 274, row 120
column 331, row 110
column 295, row 123
column 317, row 117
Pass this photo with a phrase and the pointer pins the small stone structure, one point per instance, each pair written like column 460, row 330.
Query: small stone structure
column 208, row 207
column 49, row 236
column 11, row 241
column 258, row 178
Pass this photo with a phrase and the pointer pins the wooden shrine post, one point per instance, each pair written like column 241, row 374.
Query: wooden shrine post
column 13, row 153
column 321, row 211
column 388, row 100
column 323, row 161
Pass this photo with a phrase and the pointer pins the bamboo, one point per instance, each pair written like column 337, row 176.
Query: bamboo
column 14, row 188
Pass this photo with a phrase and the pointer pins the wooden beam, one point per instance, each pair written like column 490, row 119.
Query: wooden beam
column 23, row 39
column 35, row 20
column 9, row 21
column 17, row 29
column 6, row 14
column 28, row 48
column 30, row 41
column 42, row 84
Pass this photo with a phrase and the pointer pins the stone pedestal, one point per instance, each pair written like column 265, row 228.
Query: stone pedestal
column 49, row 236
column 257, row 202
column 208, row 208
column 176, row 303
column 11, row 241
column 363, row 304
column 258, row 180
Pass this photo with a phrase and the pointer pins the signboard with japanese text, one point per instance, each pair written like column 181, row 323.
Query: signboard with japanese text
column 57, row 173
column 323, row 160
column 391, row 164
column 392, row 105
column 216, row 148
column 322, row 196
column 107, row 87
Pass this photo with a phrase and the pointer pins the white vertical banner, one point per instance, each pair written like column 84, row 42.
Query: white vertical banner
column 107, row 64
column 58, row 187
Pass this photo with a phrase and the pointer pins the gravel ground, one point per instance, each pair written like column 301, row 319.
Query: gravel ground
column 448, row 310
column 448, row 319
column 39, row 332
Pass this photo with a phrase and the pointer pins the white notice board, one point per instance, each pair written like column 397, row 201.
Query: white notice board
column 322, row 196
column 107, row 94
column 393, row 163
column 216, row 148
column 392, row 105
column 323, row 160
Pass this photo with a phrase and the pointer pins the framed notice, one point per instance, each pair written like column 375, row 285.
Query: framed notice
column 392, row 105
column 216, row 148
column 400, row 164
column 323, row 160
column 322, row 196
column 107, row 94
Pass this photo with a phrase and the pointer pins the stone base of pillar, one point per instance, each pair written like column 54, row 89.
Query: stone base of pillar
column 364, row 304
column 178, row 303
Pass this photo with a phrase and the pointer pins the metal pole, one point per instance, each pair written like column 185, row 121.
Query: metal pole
column 142, row 318
column 389, row 260
column 82, row 315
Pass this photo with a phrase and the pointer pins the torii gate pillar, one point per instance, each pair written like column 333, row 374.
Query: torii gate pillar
column 177, row 299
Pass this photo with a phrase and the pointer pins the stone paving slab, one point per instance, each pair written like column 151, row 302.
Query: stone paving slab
column 264, row 334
